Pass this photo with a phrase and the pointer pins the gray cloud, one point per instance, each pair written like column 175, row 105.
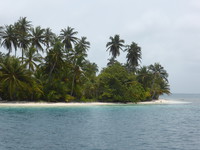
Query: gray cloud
column 167, row 30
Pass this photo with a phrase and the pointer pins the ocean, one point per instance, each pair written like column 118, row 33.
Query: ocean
column 125, row 127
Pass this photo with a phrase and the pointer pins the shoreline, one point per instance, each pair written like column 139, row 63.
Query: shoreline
column 60, row 104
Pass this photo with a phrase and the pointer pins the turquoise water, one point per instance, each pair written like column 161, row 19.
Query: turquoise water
column 136, row 127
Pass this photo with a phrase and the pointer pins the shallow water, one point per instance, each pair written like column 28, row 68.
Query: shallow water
column 138, row 127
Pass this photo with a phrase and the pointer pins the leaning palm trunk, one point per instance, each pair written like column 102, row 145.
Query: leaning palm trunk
column 152, row 86
column 73, row 83
column 50, row 73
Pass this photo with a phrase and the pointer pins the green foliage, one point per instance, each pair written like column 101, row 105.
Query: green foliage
column 54, row 60
column 116, row 84
column 56, row 90
column 135, row 92
column 154, row 79
column 65, row 74
column 15, row 79
column 32, row 58
column 159, row 84
column 69, row 98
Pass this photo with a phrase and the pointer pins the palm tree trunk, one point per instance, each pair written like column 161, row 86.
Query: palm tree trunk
column 50, row 73
column 22, row 56
column 152, row 89
column 73, row 81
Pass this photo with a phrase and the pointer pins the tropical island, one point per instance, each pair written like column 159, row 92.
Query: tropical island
column 55, row 68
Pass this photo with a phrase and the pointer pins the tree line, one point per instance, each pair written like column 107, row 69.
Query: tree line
column 65, row 74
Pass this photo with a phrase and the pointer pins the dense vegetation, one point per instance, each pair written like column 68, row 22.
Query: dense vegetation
column 64, row 73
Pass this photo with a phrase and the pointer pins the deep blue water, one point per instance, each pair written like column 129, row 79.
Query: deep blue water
column 136, row 127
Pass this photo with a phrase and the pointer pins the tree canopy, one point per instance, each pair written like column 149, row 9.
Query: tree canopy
column 55, row 68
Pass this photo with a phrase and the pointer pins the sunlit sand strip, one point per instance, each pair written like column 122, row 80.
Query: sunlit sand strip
column 163, row 101
column 43, row 104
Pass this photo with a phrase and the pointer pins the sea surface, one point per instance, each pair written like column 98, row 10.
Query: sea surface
column 132, row 127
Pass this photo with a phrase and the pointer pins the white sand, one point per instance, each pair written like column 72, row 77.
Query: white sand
column 163, row 101
column 44, row 104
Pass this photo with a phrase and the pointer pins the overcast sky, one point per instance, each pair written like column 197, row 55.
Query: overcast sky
column 168, row 31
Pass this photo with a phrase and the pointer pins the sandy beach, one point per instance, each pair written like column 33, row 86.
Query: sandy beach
column 45, row 104
column 163, row 101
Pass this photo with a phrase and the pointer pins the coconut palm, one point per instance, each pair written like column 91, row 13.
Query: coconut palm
column 115, row 45
column 90, row 68
column 48, row 38
column 164, row 88
column 144, row 77
column 134, row 55
column 79, row 53
column 23, row 25
column 8, row 37
column 83, row 45
column 77, row 58
column 68, row 37
column 158, row 71
column 159, row 75
column 31, row 59
column 22, row 28
column 37, row 38
column 54, row 59
column 15, row 78
column 23, row 43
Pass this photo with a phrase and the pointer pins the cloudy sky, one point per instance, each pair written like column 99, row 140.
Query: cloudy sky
column 168, row 31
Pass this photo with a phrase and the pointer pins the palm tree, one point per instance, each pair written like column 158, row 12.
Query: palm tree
column 164, row 88
column 32, row 58
column 80, row 50
column 54, row 59
column 90, row 68
column 83, row 45
column 134, row 55
column 8, row 37
column 48, row 38
column 158, row 71
column 14, row 77
column 159, row 75
column 23, row 25
column 37, row 38
column 144, row 77
column 90, row 84
column 77, row 59
column 23, row 43
column 67, row 37
column 115, row 45
column 22, row 29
